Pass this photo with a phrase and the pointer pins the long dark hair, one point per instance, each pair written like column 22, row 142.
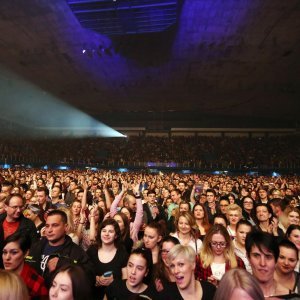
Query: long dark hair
column 147, row 255
column 115, row 224
column 81, row 287
column 160, row 271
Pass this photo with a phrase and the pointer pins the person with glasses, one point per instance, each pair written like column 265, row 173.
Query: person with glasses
column 13, row 221
column 248, row 210
column 216, row 256
column 162, row 274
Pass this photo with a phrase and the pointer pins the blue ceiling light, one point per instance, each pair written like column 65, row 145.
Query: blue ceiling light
column 122, row 17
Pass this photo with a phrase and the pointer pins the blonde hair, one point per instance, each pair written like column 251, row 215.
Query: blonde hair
column 191, row 220
column 206, row 254
column 234, row 207
column 70, row 222
column 238, row 278
column 12, row 286
column 187, row 251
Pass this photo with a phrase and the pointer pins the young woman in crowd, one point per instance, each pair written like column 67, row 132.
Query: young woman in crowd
column 12, row 286
column 181, row 261
column 70, row 283
column 243, row 227
column 71, row 229
column 162, row 274
column 248, row 210
column 292, row 216
column 233, row 214
column 285, row 267
column 187, row 231
column 88, row 229
column 238, row 284
column 76, row 208
column 123, row 222
column 108, row 256
column 293, row 234
column 135, row 224
column 201, row 218
column 33, row 213
column 153, row 234
column 16, row 247
column 220, row 219
column 216, row 255
column 138, row 283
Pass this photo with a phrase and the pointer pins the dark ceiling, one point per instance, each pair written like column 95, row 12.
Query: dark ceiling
column 226, row 63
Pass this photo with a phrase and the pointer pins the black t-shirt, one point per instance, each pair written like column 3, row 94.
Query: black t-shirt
column 115, row 265
column 119, row 291
column 171, row 292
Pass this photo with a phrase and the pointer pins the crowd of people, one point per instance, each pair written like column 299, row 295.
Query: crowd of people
column 197, row 151
column 108, row 235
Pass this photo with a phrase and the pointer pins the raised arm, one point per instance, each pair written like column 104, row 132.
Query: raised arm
column 115, row 203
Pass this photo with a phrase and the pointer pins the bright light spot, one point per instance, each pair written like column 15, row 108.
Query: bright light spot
column 275, row 174
column 63, row 168
column 41, row 113
column 122, row 170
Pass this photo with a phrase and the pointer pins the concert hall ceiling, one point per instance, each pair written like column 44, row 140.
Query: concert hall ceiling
column 212, row 63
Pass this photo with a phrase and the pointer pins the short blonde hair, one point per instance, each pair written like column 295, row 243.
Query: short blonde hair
column 234, row 207
column 187, row 251
column 12, row 286
column 238, row 278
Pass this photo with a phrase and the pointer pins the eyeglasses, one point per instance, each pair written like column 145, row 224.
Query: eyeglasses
column 16, row 207
column 216, row 244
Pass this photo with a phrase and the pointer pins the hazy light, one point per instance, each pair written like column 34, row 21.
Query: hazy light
column 30, row 107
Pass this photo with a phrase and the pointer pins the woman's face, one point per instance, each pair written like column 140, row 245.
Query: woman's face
column 248, row 204
column 61, row 288
column 233, row 217
column 231, row 199
column 108, row 235
column 198, row 212
column 183, row 225
column 125, row 211
column 76, row 208
column 120, row 222
column 165, row 249
column 183, row 271
column 28, row 195
column 102, row 205
column 151, row 238
column 218, row 244
column 13, row 257
column 287, row 260
column 168, row 202
column 294, row 218
column 136, row 270
column 241, row 234
column 295, row 238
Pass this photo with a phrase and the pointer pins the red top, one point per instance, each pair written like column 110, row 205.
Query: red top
column 34, row 282
column 10, row 227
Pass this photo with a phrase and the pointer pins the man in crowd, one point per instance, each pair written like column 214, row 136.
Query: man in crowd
column 13, row 221
column 263, row 251
column 57, row 249
column 152, row 210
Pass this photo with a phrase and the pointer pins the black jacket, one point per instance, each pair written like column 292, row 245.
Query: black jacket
column 69, row 253
column 26, row 227
column 147, row 212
